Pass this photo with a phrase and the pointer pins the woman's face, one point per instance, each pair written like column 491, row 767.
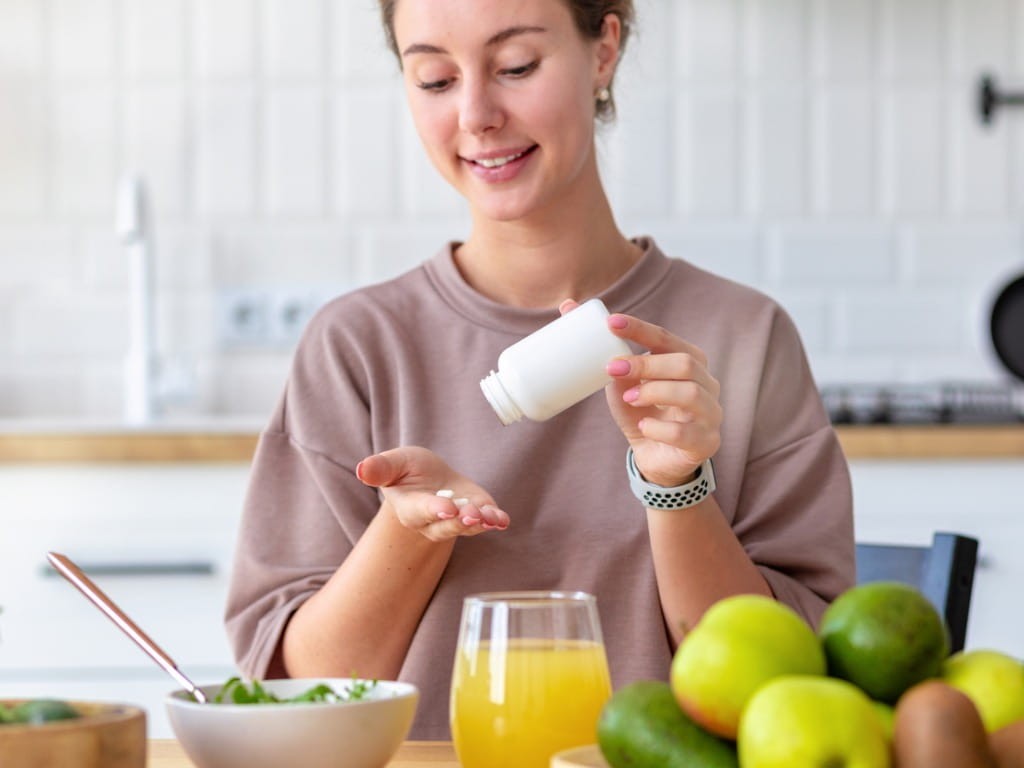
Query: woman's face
column 502, row 95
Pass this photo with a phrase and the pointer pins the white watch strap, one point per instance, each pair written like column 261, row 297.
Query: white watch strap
column 679, row 497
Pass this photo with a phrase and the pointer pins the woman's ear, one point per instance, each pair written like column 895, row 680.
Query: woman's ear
column 608, row 49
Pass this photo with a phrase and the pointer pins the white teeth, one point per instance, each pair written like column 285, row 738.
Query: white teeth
column 495, row 162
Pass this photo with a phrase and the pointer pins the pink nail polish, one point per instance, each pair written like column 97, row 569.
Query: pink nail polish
column 618, row 367
column 618, row 321
column 630, row 395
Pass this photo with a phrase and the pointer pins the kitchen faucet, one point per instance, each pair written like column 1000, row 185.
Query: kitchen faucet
column 134, row 231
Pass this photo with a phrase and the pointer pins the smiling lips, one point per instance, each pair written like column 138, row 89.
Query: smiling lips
column 499, row 167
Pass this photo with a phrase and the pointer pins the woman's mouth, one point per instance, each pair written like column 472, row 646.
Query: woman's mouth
column 500, row 167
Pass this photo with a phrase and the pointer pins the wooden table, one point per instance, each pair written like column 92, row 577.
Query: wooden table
column 167, row 753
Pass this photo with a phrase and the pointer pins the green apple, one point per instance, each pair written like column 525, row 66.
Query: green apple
column 739, row 644
column 800, row 721
column 993, row 680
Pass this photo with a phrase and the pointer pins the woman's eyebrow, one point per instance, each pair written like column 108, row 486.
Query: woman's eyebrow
column 499, row 37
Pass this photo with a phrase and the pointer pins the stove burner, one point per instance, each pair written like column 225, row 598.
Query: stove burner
column 940, row 403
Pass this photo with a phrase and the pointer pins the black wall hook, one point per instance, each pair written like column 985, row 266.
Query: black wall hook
column 990, row 98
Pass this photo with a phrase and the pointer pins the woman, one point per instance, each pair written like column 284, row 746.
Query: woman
column 349, row 563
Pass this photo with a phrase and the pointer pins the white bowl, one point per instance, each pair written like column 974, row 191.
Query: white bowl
column 364, row 733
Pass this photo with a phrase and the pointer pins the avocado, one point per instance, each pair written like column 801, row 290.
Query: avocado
column 38, row 711
column 642, row 726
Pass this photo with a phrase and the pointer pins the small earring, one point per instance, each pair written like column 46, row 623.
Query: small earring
column 604, row 95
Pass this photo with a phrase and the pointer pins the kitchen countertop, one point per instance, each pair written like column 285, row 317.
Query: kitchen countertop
column 167, row 753
column 235, row 443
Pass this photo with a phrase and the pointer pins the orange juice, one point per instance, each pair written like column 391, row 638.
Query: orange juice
column 516, row 705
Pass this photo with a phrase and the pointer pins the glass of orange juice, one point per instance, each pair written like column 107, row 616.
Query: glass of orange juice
column 529, row 680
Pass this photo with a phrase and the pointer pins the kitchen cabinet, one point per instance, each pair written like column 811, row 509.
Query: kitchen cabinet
column 159, row 538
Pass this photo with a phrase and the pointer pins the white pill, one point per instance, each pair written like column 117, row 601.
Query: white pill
column 460, row 502
column 446, row 493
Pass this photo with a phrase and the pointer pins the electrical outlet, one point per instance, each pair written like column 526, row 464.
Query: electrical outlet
column 268, row 317
column 289, row 311
column 243, row 317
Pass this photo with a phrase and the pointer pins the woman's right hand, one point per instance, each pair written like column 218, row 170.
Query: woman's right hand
column 410, row 477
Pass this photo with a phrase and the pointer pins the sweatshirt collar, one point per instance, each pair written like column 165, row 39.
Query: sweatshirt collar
column 623, row 295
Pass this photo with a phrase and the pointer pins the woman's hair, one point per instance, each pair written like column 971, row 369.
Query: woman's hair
column 588, row 15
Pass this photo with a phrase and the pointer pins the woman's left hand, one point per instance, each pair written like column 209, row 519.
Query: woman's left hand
column 665, row 403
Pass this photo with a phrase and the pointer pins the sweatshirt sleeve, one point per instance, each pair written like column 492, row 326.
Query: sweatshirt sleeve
column 794, row 514
column 305, row 508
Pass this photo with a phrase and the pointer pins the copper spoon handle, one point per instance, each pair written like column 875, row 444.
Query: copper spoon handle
column 96, row 596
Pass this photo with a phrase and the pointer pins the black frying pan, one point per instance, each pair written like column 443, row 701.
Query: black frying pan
column 1008, row 326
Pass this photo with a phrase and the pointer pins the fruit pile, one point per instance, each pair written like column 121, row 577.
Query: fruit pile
column 753, row 685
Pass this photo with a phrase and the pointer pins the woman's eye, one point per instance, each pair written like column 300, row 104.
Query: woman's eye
column 522, row 71
column 433, row 85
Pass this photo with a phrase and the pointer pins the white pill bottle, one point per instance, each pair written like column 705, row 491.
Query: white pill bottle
column 555, row 366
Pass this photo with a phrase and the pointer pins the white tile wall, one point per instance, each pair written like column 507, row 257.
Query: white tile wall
column 825, row 151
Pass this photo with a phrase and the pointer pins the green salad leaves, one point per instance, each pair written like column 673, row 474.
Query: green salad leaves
column 235, row 691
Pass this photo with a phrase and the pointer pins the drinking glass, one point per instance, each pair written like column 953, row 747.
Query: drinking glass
column 530, row 678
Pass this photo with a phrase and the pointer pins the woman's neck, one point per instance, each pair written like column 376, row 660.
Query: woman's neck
column 549, row 258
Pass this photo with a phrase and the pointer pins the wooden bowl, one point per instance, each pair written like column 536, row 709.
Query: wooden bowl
column 105, row 736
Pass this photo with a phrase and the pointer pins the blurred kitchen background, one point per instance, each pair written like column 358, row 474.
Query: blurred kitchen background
column 226, row 166
column 829, row 152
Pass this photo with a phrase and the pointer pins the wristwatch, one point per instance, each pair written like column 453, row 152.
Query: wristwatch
column 679, row 497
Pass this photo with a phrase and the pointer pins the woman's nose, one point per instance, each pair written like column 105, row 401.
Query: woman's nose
column 479, row 110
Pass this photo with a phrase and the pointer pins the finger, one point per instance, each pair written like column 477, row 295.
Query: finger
column 493, row 517
column 469, row 513
column 675, row 366
column 652, row 337
column 693, row 438
column 450, row 529
column 688, row 396
column 567, row 305
column 382, row 469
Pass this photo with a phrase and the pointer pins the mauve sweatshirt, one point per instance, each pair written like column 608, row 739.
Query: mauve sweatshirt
column 400, row 363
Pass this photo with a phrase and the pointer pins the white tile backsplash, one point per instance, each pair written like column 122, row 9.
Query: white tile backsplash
column 845, row 180
column 24, row 124
column 827, row 152
column 82, row 39
column 981, row 32
column 711, row 33
column 296, row 151
column 914, row 39
column 845, row 42
column 226, row 151
column 295, row 38
column 155, row 39
column 21, row 39
column 225, row 38
column 366, row 151
column 776, row 39
column 84, row 150
column 156, row 145
column 914, row 161
column 780, row 151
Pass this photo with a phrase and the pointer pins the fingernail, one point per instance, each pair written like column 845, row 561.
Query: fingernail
column 618, row 321
column 469, row 521
column 618, row 367
column 630, row 395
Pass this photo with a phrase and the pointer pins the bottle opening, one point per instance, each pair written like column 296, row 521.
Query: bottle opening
column 499, row 398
